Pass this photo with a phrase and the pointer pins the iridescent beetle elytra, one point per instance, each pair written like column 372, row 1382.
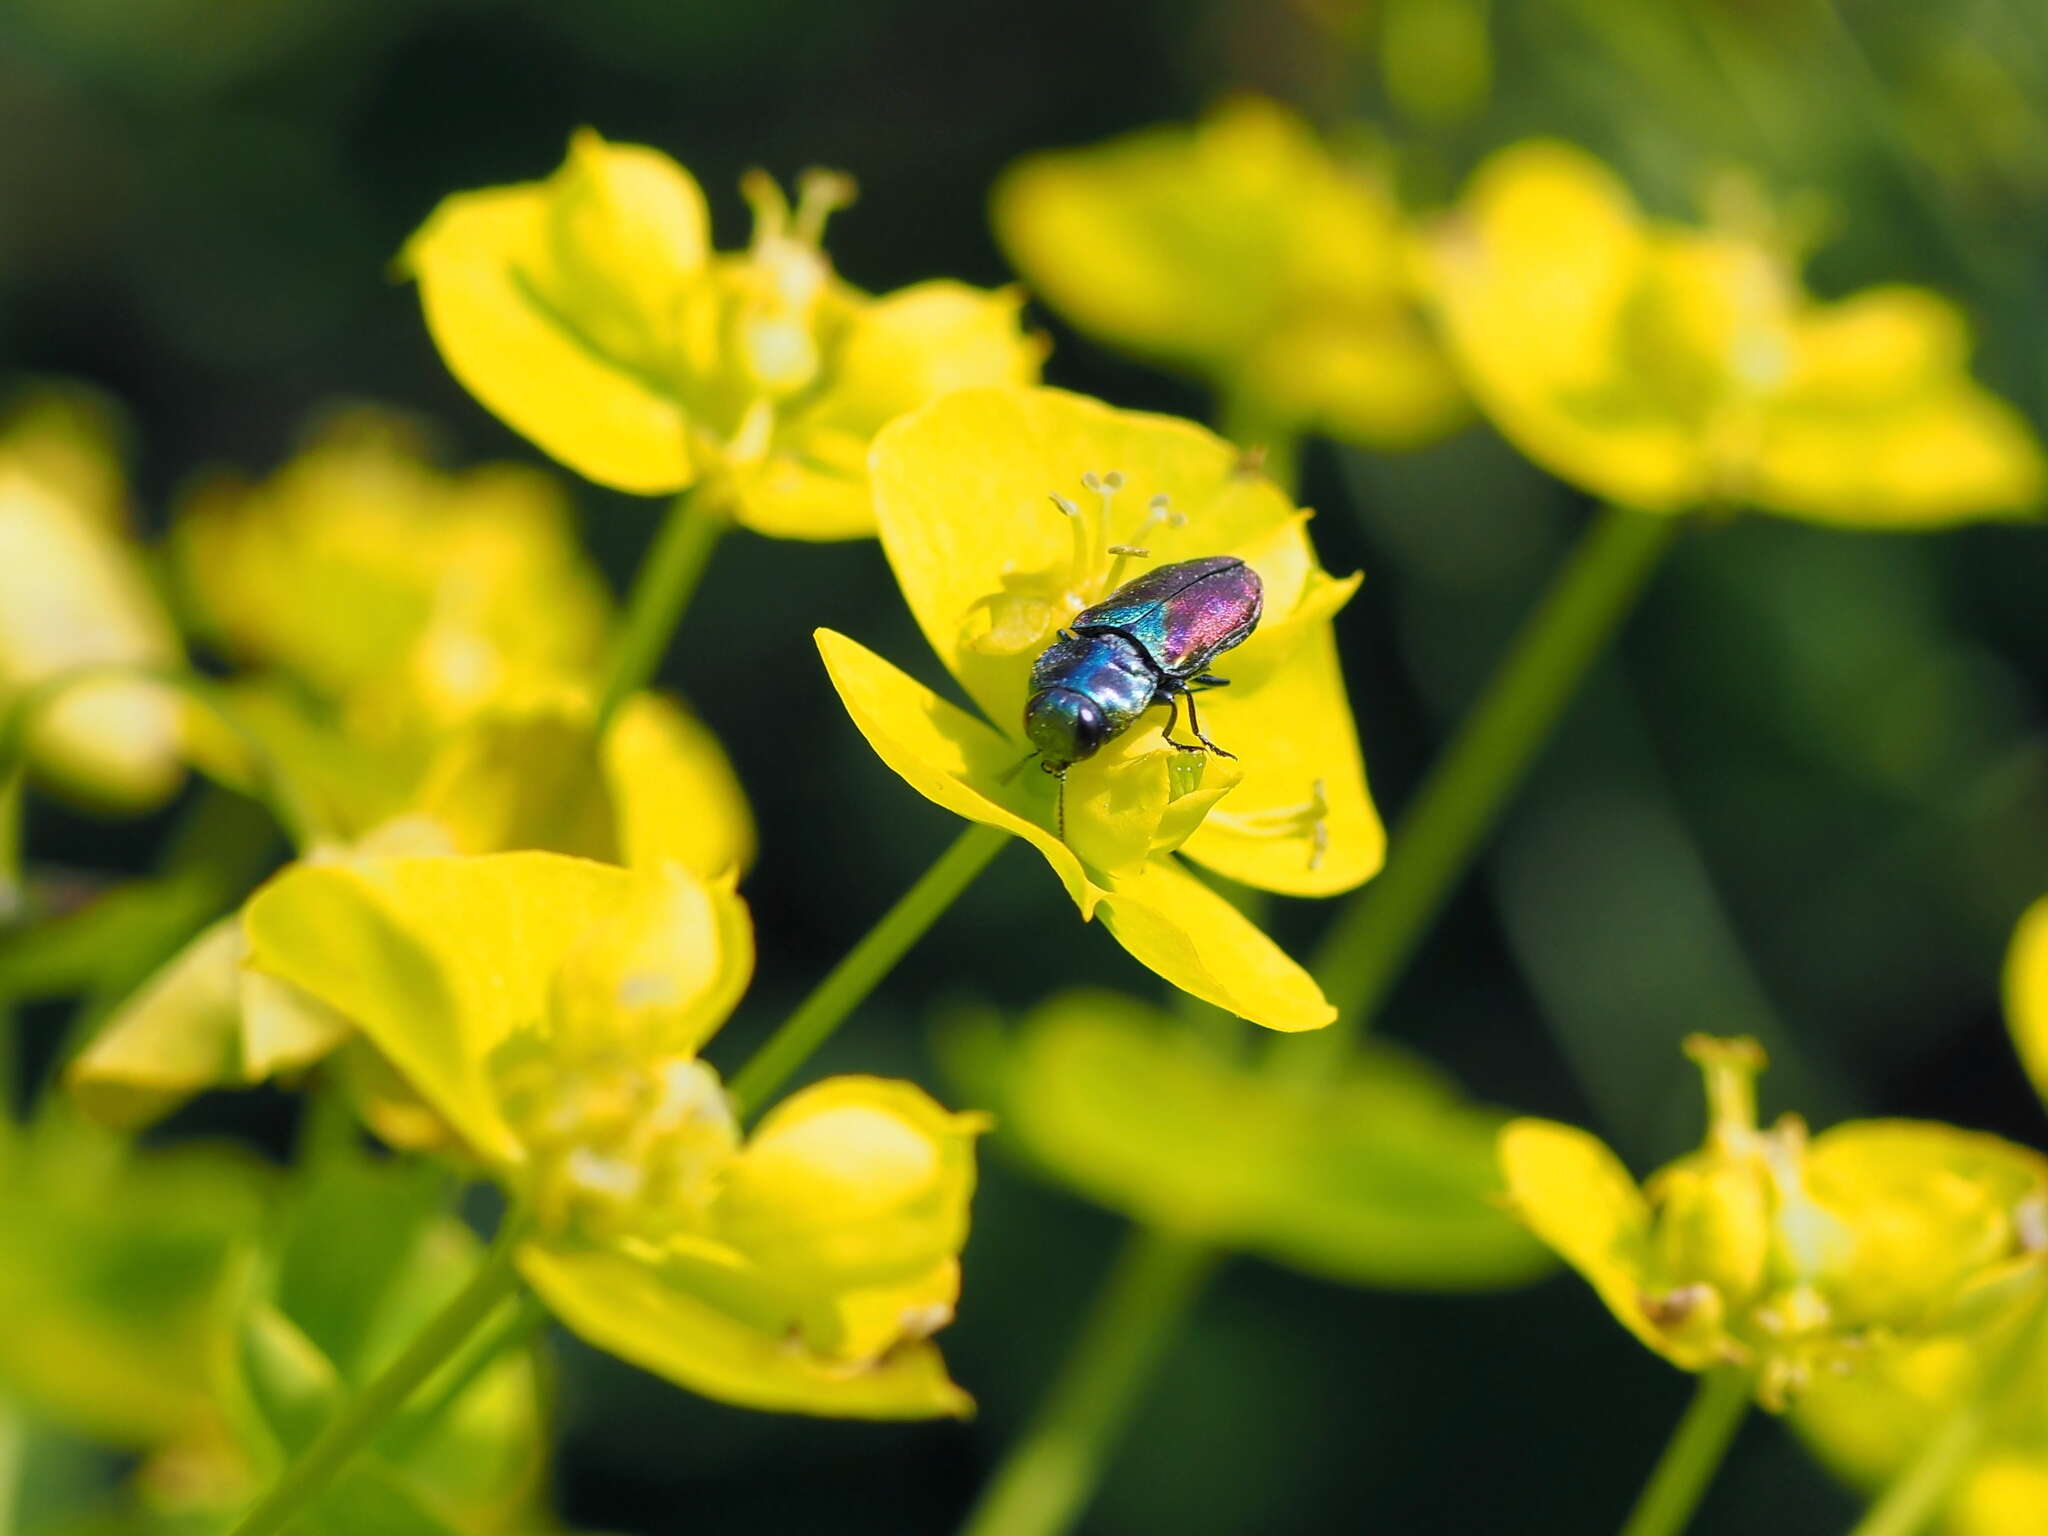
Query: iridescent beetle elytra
column 1149, row 642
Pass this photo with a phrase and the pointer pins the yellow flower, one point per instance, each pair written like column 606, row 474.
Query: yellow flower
column 1668, row 368
column 1872, row 1426
column 1786, row 1257
column 590, row 313
column 1385, row 1177
column 970, row 494
column 1243, row 251
column 409, row 597
column 550, row 1010
column 656, row 790
column 74, row 596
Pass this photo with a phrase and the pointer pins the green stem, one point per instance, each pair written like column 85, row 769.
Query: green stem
column 1047, row 1476
column 510, row 1329
column 1912, row 1501
column 361, row 1420
column 667, row 579
column 1692, row 1455
column 854, row 977
column 1370, row 941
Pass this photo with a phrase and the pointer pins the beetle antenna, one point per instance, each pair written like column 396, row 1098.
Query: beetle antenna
column 1016, row 768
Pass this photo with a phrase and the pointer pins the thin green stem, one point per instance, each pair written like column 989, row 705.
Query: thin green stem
column 853, row 978
column 1047, row 1476
column 662, row 589
column 1913, row 1500
column 513, row 1326
column 1693, row 1454
column 366, row 1415
column 1370, row 941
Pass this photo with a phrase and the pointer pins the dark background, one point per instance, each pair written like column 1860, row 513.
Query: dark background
column 1807, row 799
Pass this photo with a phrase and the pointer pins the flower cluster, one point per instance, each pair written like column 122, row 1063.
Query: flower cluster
column 1669, row 368
column 590, row 312
column 1791, row 1258
column 550, row 1010
column 1004, row 513
column 1244, row 251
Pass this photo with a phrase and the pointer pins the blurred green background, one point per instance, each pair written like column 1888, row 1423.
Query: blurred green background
column 1806, row 799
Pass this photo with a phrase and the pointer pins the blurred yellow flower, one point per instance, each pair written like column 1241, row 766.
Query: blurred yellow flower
column 1668, row 368
column 1385, row 1176
column 1872, row 1426
column 965, row 495
column 1788, row 1258
column 1244, row 251
column 408, row 597
column 550, row 1010
column 590, row 313
column 656, row 790
column 74, row 596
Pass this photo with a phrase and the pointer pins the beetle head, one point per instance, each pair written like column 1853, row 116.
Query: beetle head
column 1065, row 725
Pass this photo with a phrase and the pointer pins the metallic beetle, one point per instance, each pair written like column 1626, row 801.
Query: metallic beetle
column 1148, row 642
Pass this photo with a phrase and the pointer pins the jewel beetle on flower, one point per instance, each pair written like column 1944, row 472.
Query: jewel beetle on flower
column 1149, row 642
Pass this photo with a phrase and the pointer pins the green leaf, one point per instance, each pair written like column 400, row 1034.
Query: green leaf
column 1385, row 1178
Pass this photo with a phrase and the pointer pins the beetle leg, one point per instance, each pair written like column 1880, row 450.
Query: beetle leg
column 1172, row 698
column 1195, row 725
column 1207, row 680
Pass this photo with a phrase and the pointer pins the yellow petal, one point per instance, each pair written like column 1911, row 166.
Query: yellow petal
column 962, row 502
column 868, row 1323
column 1301, row 820
column 1882, row 426
column 2026, row 993
column 543, row 361
column 73, row 595
column 1575, row 1195
column 526, row 780
column 676, row 795
column 664, row 969
column 1175, row 925
column 911, row 346
column 175, row 1036
column 1139, row 797
column 1203, row 247
column 852, row 1183
column 1533, row 276
column 629, row 1309
column 2003, row 1495
column 946, row 755
column 387, row 585
column 437, row 960
column 1926, row 1208
column 808, row 497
